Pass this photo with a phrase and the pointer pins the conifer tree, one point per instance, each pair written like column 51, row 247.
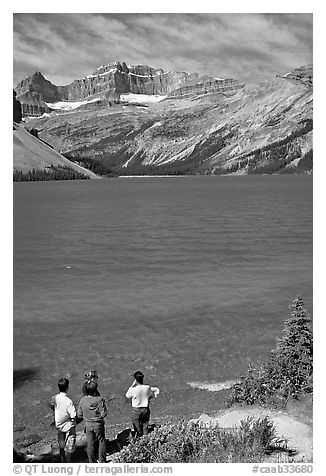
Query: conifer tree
column 287, row 371
column 297, row 330
column 294, row 350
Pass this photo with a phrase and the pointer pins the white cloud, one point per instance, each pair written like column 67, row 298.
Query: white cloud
column 245, row 46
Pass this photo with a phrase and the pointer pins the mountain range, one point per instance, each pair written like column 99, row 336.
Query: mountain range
column 141, row 120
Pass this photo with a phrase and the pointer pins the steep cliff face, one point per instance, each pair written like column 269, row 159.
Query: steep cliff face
column 17, row 109
column 113, row 80
column 144, row 80
column 238, row 130
column 208, row 87
column 32, row 104
column 105, row 80
column 130, row 79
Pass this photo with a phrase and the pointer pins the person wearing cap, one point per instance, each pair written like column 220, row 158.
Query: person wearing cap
column 140, row 395
column 90, row 376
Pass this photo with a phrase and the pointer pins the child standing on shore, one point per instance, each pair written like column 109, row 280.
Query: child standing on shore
column 90, row 376
column 65, row 420
column 93, row 410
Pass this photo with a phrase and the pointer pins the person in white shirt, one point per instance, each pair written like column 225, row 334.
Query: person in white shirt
column 65, row 420
column 140, row 395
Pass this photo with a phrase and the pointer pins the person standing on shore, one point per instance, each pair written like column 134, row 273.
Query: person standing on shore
column 93, row 410
column 90, row 376
column 140, row 395
column 65, row 420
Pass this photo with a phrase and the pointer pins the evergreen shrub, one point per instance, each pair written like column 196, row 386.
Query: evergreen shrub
column 287, row 372
column 183, row 442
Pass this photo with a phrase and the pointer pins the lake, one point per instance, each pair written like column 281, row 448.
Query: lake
column 185, row 278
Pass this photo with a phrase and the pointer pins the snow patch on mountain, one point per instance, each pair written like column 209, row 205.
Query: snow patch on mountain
column 148, row 75
column 157, row 124
column 113, row 70
column 216, row 128
column 69, row 105
column 141, row 98
column 182, row 155
column 134, row 155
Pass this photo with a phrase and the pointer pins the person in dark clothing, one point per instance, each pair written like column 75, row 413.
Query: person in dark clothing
column 93, row 410
column 90, row 376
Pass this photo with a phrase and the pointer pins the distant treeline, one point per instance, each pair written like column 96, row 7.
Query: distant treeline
column 279, row 166
column 177, row 168
column 283, row 152
column 191, row 166
column 51, row 173
column 101, row 167
column 273, row 158
column 96, row 166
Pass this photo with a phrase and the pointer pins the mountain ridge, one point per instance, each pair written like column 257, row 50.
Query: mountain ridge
column 112, row 80
column 243, row 130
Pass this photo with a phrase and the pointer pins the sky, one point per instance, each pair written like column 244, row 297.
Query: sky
column 250, row 47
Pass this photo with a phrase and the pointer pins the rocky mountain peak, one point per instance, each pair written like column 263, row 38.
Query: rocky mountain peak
column 36, row 94
column 38, row 84
column 303, row 75
column 37, row 75
column 122, row 67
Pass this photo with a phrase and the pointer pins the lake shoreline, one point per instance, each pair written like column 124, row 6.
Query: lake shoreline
column 294, row 422
column 183, row 404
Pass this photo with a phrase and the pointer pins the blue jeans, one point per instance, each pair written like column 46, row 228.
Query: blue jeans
column 140, row 419
column 95, row 441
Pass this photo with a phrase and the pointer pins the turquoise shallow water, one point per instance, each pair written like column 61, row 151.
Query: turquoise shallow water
column 187, row 278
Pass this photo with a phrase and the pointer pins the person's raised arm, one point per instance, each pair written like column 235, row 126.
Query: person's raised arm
column 151, row 394
column 129, row 392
